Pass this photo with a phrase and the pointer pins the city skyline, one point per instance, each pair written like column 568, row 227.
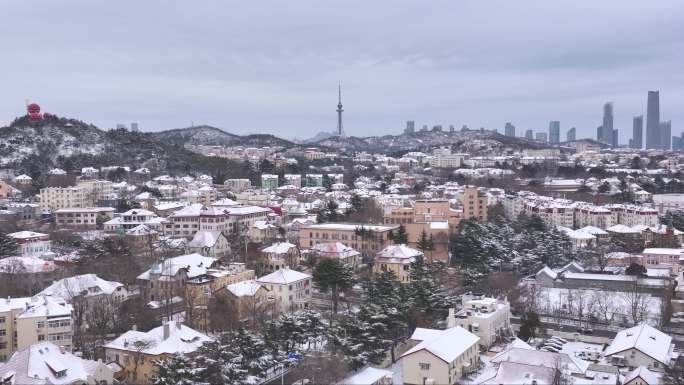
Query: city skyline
column 224, row 70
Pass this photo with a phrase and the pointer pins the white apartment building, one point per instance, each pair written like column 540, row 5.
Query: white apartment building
column 590, row 215
column 441, row 356
column 134, row 218
column 30, row 320
column 238, row 185
column 32, row 244
column 293, row 180
column 641, row 345
column 632, row 215
column 290, row 289
column 55, row 198
column 487, row 318
column 82, row 218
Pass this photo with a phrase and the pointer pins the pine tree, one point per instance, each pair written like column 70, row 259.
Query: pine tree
column 8, row 246
column 423, row 242
column 400, row 237
column 334, row 276
column 176, row 370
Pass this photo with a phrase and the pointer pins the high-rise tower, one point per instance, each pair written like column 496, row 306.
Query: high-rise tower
column 554, row 132
column 607, row 124
column 653, row 136
column 638, row 132
column 340, row 130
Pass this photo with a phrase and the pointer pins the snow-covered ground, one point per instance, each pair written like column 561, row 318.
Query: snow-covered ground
column 611, row 305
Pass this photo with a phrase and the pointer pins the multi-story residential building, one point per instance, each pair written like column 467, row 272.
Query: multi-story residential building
column 632, row 215
column 443, row 158
column 366, row 238
column 173, row 277
column 424, row 210
column 87, row 218
column 398, row 260
column 293, row 180
column 269, row 182
column 641, row 345
column 26, row 321
column 133, row 218
column 238, row 185
column 247, row 299
column 335, row 250
column 32, row 244
column 440, row 357
column 474, row 203
column 88, row 286
column 55, row 198
column 209, row 243
column 590, row 215
column 314, row 180
column 488, row 318
column 290, row 289
column 136, row 351
column 279, row 255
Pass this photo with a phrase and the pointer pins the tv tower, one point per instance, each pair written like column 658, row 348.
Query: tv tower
column 340, row 131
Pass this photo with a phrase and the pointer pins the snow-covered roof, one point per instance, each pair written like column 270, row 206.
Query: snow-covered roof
column 398, row 254
column 622, row 229
column 648, row 377
column 244, row 288
column 644, row 338
column 40, row 363
column 284, row 276
column 278, row 248
column 43, row 305
column 425, row 334
column 139, row 212
column 204, row 238
column 334, row 249
column 520, row 344
column 141, row 230
column 367, row 376
column 548, row 272
column 541, row 358
column 180, row 339
column 447, row 345
column 90, row 284
column 194, row 263
column 26, row 235
column 520, row 373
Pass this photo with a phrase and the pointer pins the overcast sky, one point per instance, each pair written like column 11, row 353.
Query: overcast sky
column 273, row 66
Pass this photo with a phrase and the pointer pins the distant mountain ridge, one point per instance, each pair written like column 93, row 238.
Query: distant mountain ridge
column 213, row 136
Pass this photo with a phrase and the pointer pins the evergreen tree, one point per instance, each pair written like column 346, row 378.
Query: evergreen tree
column 423, row 243
column 217, row 363
column 8, row 246
column 176, row 370
column 400, row 237
column 334, row 276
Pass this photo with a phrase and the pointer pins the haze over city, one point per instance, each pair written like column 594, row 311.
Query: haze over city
column 274, row 67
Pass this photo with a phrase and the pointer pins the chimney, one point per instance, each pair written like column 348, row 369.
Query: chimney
column 61, row 349
column 134, row 327
column 167, row 330
column 452, row 314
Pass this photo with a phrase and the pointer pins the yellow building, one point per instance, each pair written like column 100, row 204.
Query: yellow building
column 397, row 259
column 136, row 351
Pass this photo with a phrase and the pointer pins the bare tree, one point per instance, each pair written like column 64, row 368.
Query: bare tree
column 605, row 305
column 138, row 349
column 637, row 303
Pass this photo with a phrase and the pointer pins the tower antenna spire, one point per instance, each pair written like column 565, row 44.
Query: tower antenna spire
column 340, row 130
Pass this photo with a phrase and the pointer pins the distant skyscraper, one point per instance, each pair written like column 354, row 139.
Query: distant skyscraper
column 452, row 128
column 676, row 143
column 607, row 124
column 529, row 134
column 571, row 134
column 340, row 130
column 134, row 127
column 542, row 137
column 653, row 136
column 666, row 135
column 424, row 127
column 599, row 133
column 121, row 126
column 614, row 138
column 410, row 127
column 638, row 132
column 554, row 132
column 509, row 129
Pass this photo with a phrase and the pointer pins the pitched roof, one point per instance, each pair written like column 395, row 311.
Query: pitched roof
column 447, row 345
column 204, row 238
column 649, row 377
column 644, row 338
column 244, row 288
column 72, row 286
column 278, row 248
column 283, row 277
column 38, row 364
column 181, row 339
column 541, row 358
column 194, row 263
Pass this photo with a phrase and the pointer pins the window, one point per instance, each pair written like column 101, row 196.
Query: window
column 424, row 366
column 2, row 320
column 41, row 337
column 3, row 332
